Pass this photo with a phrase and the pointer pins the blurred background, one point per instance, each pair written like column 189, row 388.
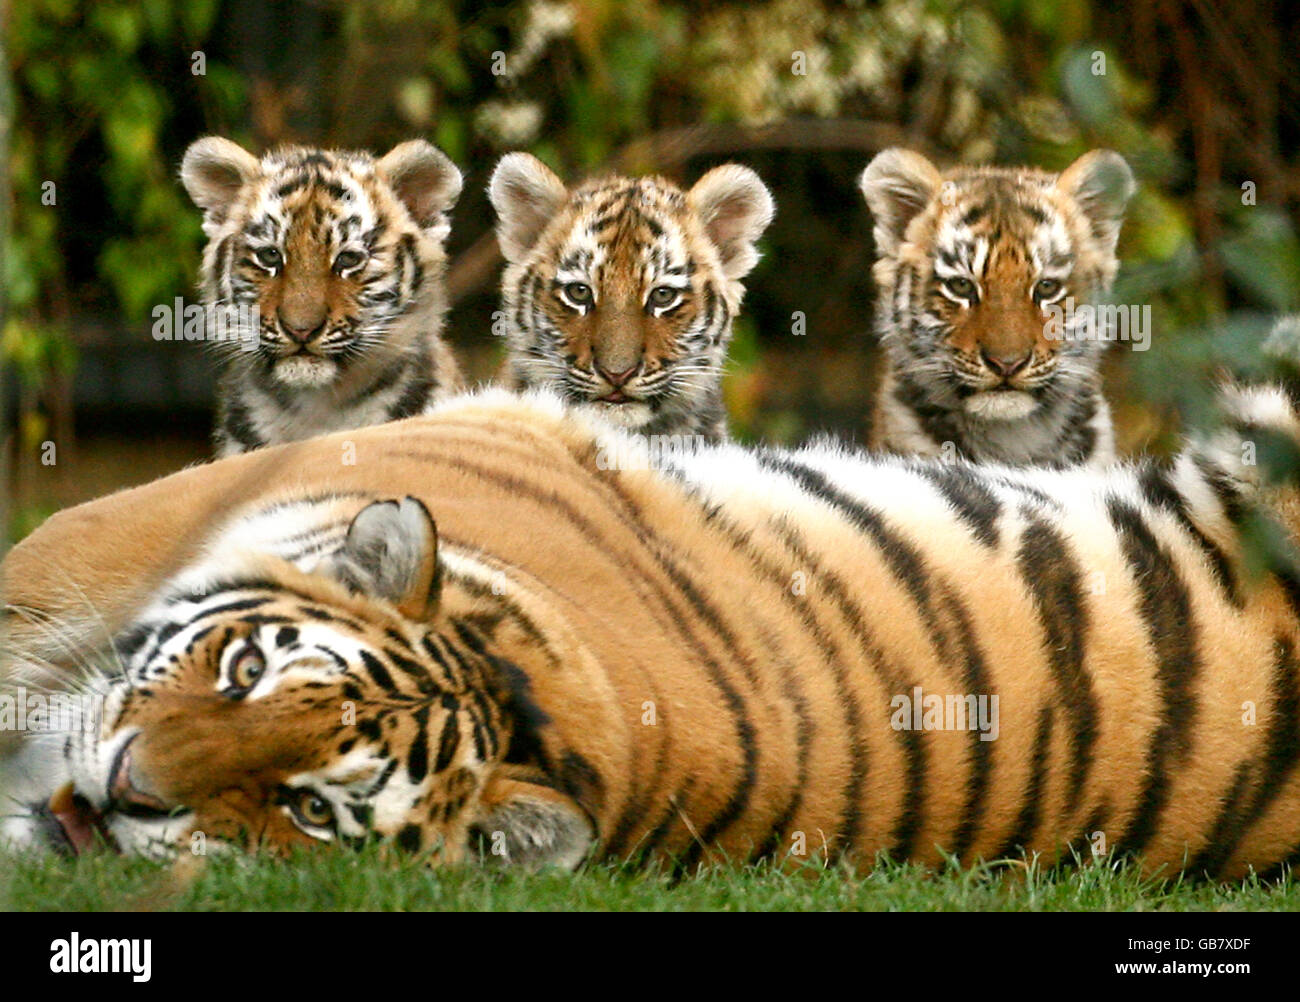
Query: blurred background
column 98, row 101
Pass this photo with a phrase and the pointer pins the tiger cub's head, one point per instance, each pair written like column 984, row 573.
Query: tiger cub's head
column 971, row 264
column 620, row 293
column 340, row 253
column 261, row 707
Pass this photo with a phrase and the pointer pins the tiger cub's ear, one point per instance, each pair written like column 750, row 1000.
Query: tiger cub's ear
column 526, row 195
column 528, row 823
column 1101, row 183
column 391, row 552
column 897, row 184
column 213, row 172
column 423, row 178
column 735, row 207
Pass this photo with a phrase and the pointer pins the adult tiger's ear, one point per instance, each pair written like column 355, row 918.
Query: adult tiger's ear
column 897, row 185
column 214, row 170
column 735, row 207
column 526, row 195
column 391, row 552
column 423, row 178
column 1101, row 183
column 527, row 823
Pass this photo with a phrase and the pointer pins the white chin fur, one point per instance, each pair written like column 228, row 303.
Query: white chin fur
column 304, row 371
column 629, row 415
column 999, row 405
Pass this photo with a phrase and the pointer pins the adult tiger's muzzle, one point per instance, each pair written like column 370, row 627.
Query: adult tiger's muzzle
column 75, row 825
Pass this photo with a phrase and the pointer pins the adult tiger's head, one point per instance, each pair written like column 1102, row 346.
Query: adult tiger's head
column 621, row 293
column 266, row 707
column 340, row 253
column 971, row 264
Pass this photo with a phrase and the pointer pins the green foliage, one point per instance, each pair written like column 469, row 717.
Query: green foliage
column 93, row 117
column 106, row 102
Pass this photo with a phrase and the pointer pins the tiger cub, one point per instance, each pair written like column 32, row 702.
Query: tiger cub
column 342, row 257
column 973, row 265
column 620, row 294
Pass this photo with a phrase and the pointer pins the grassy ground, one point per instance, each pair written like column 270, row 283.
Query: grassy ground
column 365, row 881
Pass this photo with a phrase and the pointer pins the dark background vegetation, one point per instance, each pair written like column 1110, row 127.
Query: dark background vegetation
column 101, row 99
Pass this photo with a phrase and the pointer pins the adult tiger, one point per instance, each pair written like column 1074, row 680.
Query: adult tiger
column 709, row 657
column 338, row 259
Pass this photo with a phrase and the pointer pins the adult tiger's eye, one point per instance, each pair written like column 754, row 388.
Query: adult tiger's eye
column 578, row 293
column 1045, row 288
column 314, row 810
column 269, row 257
column 249, row 665
column 962, row 287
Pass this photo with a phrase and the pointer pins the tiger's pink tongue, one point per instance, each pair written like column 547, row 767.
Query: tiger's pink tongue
column 79, row 820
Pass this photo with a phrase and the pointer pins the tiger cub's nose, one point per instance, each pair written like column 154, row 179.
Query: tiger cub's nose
column 1004, row 365
column 301, row 328
column 616, row 379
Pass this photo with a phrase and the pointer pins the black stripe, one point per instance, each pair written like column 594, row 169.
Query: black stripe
column 1027, row 822
column 1056, row 584
column 417, row 759
column 417, row 393
column 636, row 805
column 975, row 680
column 237, row 424
column 1171, row 631
column 447, row 743
column 1281, row 750
column 938, row 423
column 1226, row 489
column 847, row 832
column 1160, row 492
column 779, row 578
column 974, row 503
column 293, row 184
column 239, row 605
column 377, row 671
column 907, row 566
column 1225, row 833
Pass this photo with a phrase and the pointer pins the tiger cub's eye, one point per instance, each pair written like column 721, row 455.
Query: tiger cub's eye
column 1045, row 288
column 348, row 259
column 268, row 257
column 578, row 293
column 663, row 296
column 961, row 287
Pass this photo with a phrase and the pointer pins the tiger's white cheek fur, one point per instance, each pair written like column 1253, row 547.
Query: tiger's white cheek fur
column 1000, row 405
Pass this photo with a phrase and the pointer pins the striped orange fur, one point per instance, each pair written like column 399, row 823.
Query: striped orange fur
column 700, row 660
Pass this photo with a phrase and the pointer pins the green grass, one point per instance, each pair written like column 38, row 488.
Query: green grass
column 367, row 881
